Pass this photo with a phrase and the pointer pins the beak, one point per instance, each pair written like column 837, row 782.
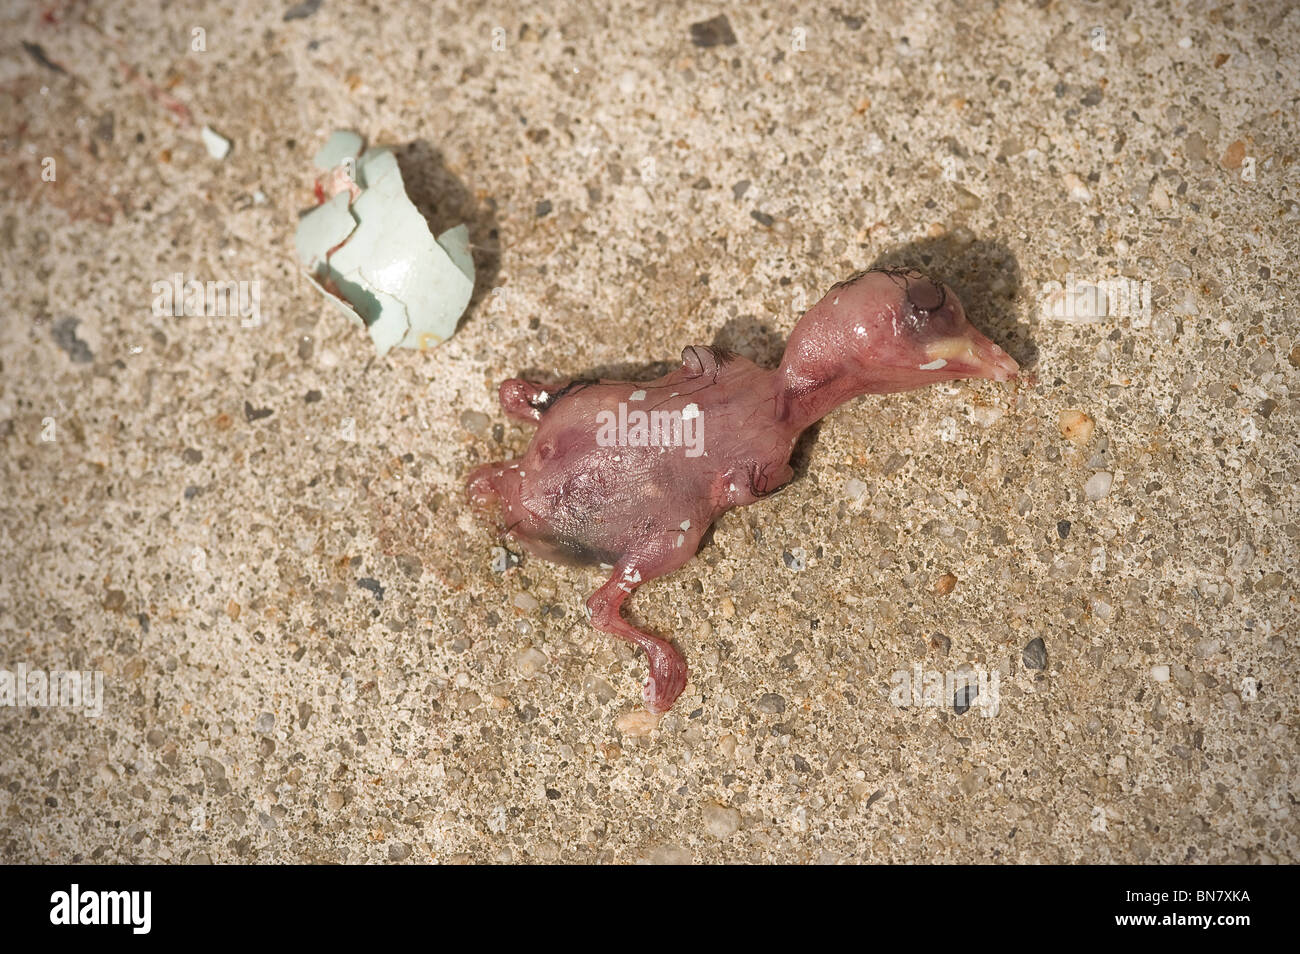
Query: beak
column 995, row 364
column 974, row 356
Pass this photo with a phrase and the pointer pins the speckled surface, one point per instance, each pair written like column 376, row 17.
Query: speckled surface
column 307, row 655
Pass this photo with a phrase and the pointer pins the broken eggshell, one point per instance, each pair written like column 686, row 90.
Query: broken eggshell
column 370, row 252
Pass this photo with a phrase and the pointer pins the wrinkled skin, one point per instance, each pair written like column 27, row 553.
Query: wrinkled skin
column 640, row 511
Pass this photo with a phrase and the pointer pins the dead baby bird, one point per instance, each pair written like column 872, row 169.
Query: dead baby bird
column 629, row 476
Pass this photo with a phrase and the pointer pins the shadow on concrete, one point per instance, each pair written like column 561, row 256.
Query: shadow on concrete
column 984, row 274
column 446, row 202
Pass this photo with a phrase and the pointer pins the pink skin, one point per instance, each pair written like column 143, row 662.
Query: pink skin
column 642, row 510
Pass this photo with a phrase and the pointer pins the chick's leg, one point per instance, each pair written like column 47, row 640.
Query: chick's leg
column 667, row 667
column 662, row 553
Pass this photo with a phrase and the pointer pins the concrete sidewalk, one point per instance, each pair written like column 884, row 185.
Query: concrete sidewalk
column 255, row 530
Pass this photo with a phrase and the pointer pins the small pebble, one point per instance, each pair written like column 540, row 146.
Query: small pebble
column 530, row 662
column 218, row 146
column 945, row 584
column 609, row 751
column 855, row 489
column 398, row 851
column 1160, row 673
column 476, row 422
column 1098, row 485
column 771, row 703
column 1075, row 426
column 1159, row 197
column 1065, row 568
column 64, row 332
column 637, row 724
column 1034, row 655
column 595, row 686
column 301, row 11
column 715, row 32
column 671, row 855
column 1079, row 191
column 721, row 821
